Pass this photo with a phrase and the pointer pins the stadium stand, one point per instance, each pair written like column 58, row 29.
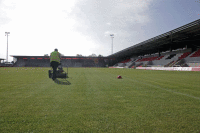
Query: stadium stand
column 196, row 54
column 167, row 59
column 159, row 58
column 31, row 61
column 125, row 61
column 88, row 63
column 193, row 59
column 78, row 64
column 130, row 64
column 193, row 64
column 179, row 47
column 121, row 64
column 172, row 49
column 184, row 55
column 171, row 56
column 148, row 59
column 19, row 63
column 67, row 62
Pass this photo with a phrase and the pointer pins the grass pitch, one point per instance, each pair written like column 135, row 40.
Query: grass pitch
column 94, row 100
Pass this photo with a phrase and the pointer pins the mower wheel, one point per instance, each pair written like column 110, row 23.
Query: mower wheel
column 50, row 74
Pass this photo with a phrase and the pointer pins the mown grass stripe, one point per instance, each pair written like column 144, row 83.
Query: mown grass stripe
column 165, row 89
column 96, row 101
column 145, row 81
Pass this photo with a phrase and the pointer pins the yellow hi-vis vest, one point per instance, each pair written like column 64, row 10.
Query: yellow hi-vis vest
column 55, row 57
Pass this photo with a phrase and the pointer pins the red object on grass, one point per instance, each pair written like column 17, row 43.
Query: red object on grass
column 119, row 77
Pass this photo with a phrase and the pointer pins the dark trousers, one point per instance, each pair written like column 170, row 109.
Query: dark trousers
column 54, row 65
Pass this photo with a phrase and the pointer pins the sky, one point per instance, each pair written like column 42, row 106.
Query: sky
column 83, row 27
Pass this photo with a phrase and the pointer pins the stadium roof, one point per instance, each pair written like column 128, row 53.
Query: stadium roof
column 188, row 34
column 2, row 59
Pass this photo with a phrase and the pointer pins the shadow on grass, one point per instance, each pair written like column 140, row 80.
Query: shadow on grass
column 62, row 82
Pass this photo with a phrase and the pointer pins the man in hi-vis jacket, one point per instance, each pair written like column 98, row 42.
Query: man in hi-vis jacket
column 55, row 58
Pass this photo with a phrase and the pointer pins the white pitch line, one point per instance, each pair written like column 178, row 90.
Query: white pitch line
column 165, row 89
column 181, row 93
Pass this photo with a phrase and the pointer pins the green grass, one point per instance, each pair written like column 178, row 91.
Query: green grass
column 94, row 100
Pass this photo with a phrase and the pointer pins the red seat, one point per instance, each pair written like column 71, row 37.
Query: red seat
column 184, row 55
column 196, row 54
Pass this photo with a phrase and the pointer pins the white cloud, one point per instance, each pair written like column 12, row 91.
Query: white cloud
column 108, row 23
column 74, row 27
column 37, row 27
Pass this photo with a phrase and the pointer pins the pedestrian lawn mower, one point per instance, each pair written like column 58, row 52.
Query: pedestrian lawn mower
column 60, row 73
